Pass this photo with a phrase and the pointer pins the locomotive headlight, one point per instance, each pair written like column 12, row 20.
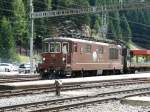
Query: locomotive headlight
column 43, row 59
column 63, row 59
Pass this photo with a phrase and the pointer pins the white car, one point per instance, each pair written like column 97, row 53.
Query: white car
column 24, row 68
column 15, row 67
column 6, row 67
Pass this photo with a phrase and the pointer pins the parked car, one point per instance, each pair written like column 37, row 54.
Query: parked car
column 24, row 68
column 6, row 67
column 15, row 67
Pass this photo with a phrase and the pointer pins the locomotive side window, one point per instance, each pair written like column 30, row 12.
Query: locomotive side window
column 75, row 47
column 113, row 53
column 100, row 50
column 88, row 48
column 120, row 52
column 46, row 47
column 55, row 47
column 65, row 48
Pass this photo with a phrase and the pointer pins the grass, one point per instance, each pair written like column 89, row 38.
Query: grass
column 23, row 59
column 26, row 59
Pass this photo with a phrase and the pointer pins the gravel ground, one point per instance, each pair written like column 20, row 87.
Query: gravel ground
column 110, row 107
column 50, row 96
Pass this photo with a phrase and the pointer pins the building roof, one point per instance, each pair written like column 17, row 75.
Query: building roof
column 140, row 52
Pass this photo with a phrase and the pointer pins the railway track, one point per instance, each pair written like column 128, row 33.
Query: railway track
column 40, row 90
column 21, row 78
column 18, row 78
column 75, row 102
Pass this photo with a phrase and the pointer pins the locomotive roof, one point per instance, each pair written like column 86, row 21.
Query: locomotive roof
column 76, row 40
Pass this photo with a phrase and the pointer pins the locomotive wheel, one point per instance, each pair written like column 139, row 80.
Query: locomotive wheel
column 54, row 75
column 51, row 76
column 43, row 75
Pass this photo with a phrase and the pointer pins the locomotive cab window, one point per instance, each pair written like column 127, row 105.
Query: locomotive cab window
column 88, row 48
column 65, row 48
column 100, row 50
column 46, row 47
column 113, row 53
column 55, row 47
column 75, row 47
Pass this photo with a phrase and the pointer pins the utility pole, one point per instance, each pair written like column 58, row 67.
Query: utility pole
column 31, row 35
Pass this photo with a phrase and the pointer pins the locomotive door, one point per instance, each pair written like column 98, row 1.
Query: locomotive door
column 65, row 51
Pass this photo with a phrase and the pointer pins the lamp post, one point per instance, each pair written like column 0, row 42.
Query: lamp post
column 31, row 35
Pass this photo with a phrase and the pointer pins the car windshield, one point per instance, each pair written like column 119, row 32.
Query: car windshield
column 27, row 65
column 24, row 66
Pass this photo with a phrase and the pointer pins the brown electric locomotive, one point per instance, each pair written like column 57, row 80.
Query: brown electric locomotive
column 63, row 56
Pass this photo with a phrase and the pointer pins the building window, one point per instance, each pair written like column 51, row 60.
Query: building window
column 113, row 53
column 88, row 48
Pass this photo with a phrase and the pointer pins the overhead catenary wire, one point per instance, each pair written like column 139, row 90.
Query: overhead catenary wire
column 96, row 9
column 145, row 25
column 83, row 7
column 106, row 10
column 135, row 23
column 111, row 17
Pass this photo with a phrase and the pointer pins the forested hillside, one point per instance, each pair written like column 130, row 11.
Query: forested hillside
column 124, row 25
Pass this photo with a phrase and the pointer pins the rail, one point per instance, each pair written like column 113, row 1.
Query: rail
column 59, row 104
column 48, row 89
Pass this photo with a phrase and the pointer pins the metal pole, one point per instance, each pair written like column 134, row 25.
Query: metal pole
column 31, row 35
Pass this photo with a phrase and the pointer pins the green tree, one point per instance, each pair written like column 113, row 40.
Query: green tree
column 7, row 44
column 6, row 8
column 1, row 12
column 92, row 2
column 49, row 6
column 111, row 31
column 126, row 30
column 20, row 24
column 97, row 25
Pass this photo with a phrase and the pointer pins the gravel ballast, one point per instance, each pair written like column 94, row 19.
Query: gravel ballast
column 108, row 107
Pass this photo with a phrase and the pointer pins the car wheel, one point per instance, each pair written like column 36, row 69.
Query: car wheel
column 34, row 71
column 6, row 70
